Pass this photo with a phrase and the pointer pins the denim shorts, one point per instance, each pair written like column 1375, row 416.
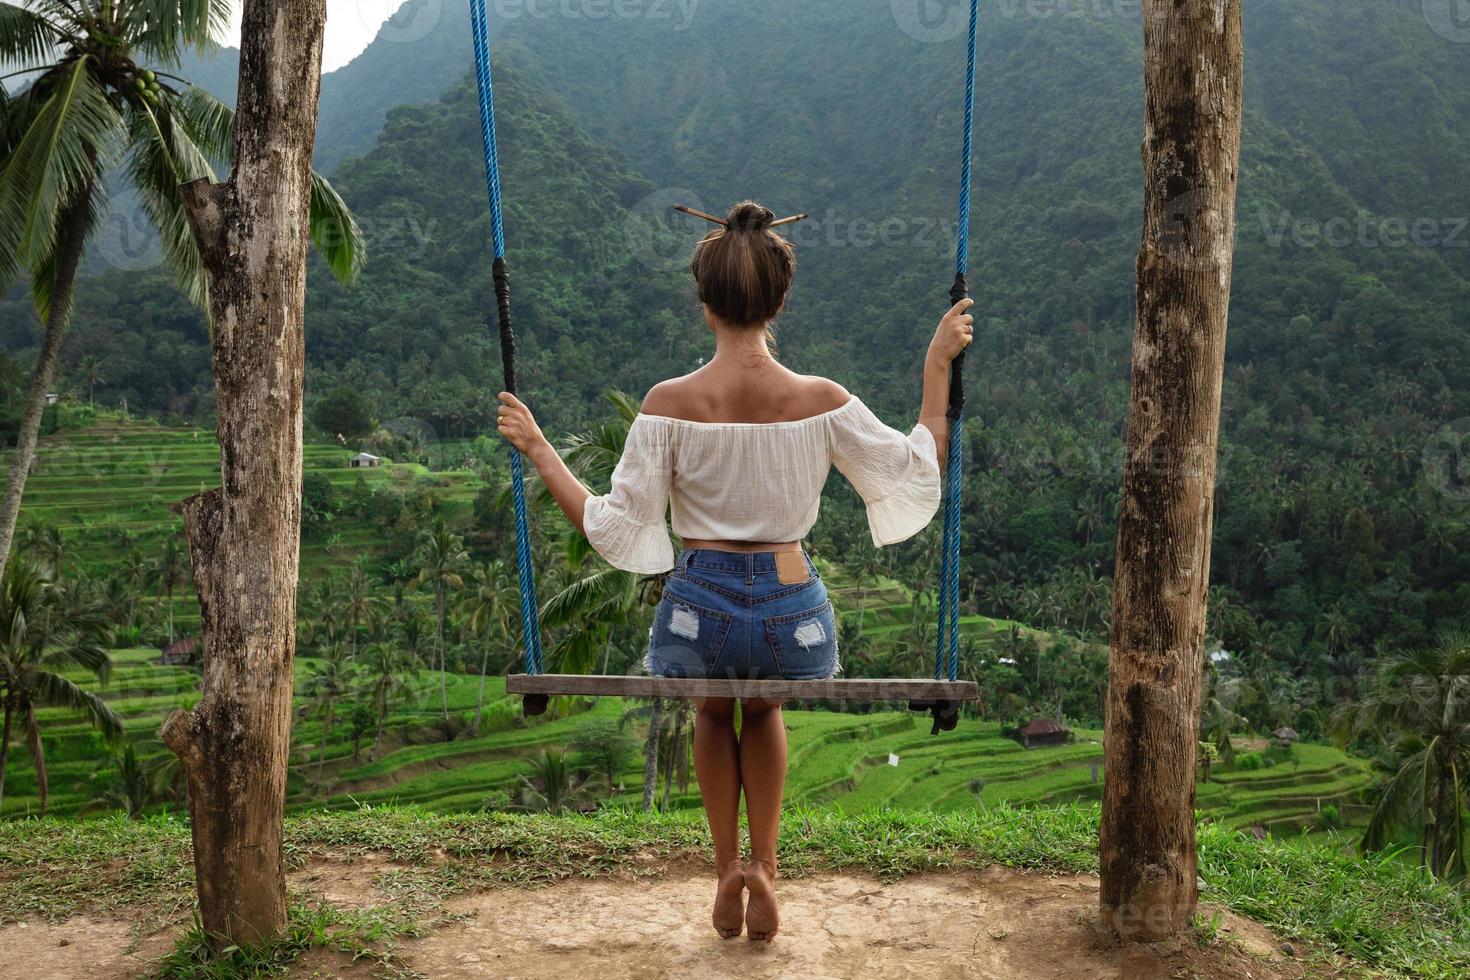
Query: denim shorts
column 726, row 614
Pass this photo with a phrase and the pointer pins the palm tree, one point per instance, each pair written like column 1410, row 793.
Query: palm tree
column 357, row 603
column 91, row 375
column 1419, row 704
column 441, row 558
column 389, row 672
column 327, row 682
column 168, row 571
column 37, row 643
column 90, row 111
column 131, row 788
column 551, row 786
column 658, row 720
column 487, row 611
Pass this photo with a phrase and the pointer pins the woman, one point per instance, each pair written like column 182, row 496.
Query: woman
column 739, row 450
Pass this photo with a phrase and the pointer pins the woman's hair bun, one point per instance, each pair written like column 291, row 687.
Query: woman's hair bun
column 749, row 216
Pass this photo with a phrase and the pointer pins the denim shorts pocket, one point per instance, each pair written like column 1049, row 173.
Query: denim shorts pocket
column 804, row 644
column 686, row 639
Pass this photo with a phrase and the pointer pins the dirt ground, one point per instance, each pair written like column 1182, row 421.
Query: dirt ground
column 997, row 923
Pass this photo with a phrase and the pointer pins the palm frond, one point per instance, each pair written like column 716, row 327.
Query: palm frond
column 69, row 143
column 164, row 157
column 207, row 122
column 54, row 691
column 43, row 272
column 163, row 28
column 334, row 231
column 26, row 37
column 571, row 603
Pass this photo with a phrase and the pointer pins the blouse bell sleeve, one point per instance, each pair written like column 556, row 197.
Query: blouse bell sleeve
column 897, row 475
column 626, row 526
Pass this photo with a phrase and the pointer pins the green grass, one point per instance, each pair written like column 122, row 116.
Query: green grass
column 1380, row 913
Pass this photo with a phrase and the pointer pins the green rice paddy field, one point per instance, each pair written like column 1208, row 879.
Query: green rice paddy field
column 124, row 475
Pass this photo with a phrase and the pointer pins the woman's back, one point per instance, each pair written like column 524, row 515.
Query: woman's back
column 747, row 389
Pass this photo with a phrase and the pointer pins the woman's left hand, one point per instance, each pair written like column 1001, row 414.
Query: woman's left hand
column 518, row 425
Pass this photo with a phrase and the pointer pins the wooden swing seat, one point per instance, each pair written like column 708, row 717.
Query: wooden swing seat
column 837, row 689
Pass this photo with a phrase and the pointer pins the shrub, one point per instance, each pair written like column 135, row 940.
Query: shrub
column 1249, row 762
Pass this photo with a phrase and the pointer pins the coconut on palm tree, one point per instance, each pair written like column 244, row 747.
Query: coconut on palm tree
column 39, row 642
column 92, row 100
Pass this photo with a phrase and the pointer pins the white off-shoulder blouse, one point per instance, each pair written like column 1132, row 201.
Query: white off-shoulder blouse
column 757, row 481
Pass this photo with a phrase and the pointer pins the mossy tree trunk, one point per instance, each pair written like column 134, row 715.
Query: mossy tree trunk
column 1191, row 152
column 244, row 536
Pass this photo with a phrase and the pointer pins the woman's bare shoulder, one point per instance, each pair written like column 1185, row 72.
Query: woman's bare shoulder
column 671, row 398
column 823, row 394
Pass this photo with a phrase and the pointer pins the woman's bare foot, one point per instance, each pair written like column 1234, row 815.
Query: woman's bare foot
column 762, row 918
column 729, row 914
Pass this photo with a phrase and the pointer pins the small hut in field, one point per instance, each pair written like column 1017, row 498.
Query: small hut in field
column 180, row 653
column 1043, row 731
column 1285, row 737
column 365, row 461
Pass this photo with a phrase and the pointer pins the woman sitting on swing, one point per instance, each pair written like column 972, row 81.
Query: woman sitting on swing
column 739, row 451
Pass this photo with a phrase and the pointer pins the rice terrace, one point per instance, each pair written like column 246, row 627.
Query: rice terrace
column 734, row 489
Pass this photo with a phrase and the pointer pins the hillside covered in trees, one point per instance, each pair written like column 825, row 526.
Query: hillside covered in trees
column 1341, row 517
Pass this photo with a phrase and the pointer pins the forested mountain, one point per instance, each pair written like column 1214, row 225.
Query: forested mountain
column 1350, row 329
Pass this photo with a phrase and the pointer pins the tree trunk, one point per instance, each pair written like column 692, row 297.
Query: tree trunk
column 5, row 745
column 443, row 654
column 480, row 698
column 244, row 537
column 38, row 758
column 73, row 233
column 1191, row 151
column 650, row 754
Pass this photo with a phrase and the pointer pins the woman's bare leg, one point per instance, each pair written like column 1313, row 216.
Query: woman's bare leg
column 763, row 775
column 717, row 766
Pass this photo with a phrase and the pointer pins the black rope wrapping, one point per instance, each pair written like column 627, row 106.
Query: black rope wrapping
column 507, row 336
column 960, row 290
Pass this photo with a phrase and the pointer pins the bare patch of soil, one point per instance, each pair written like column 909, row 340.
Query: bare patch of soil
column 1000, row 923
column 83, row 948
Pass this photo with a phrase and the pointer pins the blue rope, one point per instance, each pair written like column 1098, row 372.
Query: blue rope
column 530, row 625
column 947, row 635
column 962, row 250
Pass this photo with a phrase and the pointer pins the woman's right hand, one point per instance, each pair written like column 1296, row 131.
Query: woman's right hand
column 956, row 332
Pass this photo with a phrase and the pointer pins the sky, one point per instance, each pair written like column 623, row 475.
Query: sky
column 351, row 26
